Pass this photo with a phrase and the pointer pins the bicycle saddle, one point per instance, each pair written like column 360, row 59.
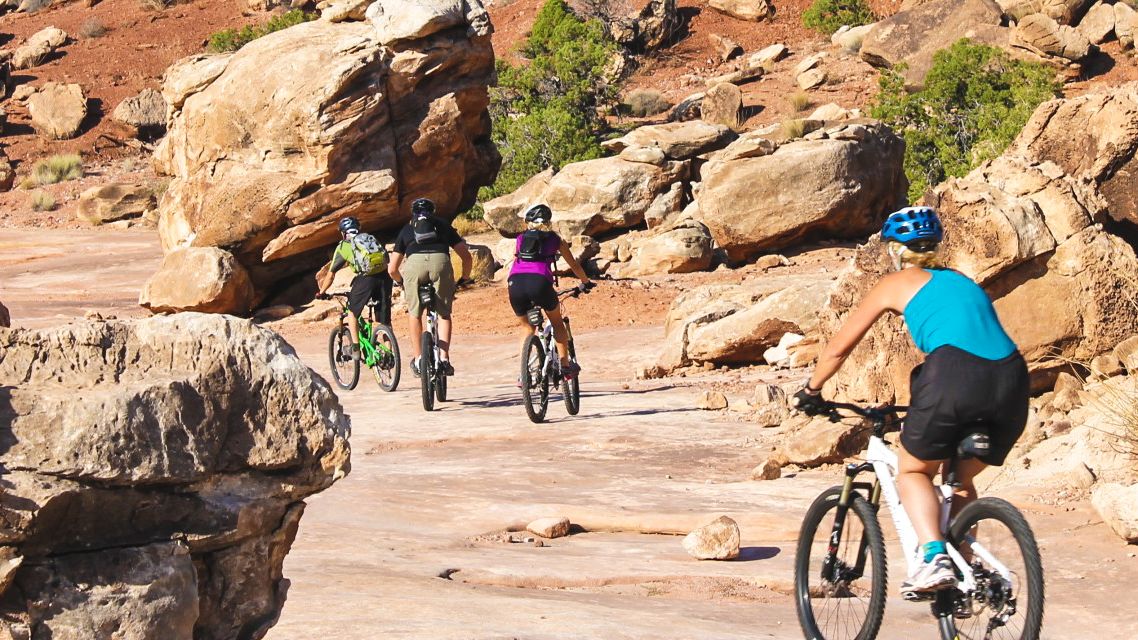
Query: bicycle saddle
column 976, row 444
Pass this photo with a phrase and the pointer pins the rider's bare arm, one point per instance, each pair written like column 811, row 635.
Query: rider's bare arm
column 891, row 293
column 393, row 267
column 467, row 260
column 567, row 253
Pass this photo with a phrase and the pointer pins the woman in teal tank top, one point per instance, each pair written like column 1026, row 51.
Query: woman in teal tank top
column 972, row 374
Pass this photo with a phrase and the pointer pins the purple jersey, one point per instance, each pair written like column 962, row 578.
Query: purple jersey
column 542, row 267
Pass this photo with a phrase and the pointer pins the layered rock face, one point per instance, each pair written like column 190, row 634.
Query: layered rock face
column 154, row 477
column 1027, row 227
column 268, row 147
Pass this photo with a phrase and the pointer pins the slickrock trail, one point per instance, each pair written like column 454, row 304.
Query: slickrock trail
column 429, row 495
column 637, row 462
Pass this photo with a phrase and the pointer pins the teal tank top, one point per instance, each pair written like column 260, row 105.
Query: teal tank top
column 953, row 310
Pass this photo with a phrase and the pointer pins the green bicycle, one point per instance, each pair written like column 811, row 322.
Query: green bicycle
column 379, row 350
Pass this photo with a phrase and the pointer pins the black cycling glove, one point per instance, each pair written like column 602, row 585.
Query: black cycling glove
column 323, row 296
column 812, row 404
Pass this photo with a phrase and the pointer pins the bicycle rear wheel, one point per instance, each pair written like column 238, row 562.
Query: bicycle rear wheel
column 571, row 388
column 345, row 369
column 427, row 370
column 840, row 595
column 987, row 531
column 535, row 384
column 388, row 366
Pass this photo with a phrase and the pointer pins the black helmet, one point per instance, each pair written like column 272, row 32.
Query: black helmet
column 349, row 224
column 539, row 213
column 422, row 207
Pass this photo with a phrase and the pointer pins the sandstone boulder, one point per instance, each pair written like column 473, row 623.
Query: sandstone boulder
column 482, row 267
column 682, row 247
column 749, row 72
column 343, row 10
column 725, row 47
column 835, row 185
column 723, row 105
column 821, row 442
column 398, row 21
column 1098, row 25
column 711, row 401
column 769, row 469
column 38, row 48
column 181, row 450
column 676, row 140
column 145, row 112
column 99, row 205
column 1125, row 18
column 1118, row 506
column 592, row 197
column 1094, row 139
column 549, row 527
column 851, row 38
column 205, row 279
column 7, row 173
column 276, row 142
column 754, row 10
column 646, row 26
column 811, row 79
column 1126, row 352
column 1043, row 35
column 58, row 110
column 717, row 540
column 912, row 36
column 1062, row 11
column 769, row 55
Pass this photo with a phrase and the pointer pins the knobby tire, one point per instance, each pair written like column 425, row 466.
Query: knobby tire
column 571, row 389
column 535, row 384
column 427, row 370
column 388, row 367
column 339, row 343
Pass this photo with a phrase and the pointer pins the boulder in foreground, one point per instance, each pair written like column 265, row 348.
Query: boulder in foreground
column 155, row 476
column 717, row 540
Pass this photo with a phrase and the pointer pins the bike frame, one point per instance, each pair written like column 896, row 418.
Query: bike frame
column 545, row 332
column 884, row 463
column 371, row 352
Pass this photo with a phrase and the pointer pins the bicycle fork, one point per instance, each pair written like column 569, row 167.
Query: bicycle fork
column 845, row 500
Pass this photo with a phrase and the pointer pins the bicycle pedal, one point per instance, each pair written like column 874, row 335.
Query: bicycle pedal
column 918, row 596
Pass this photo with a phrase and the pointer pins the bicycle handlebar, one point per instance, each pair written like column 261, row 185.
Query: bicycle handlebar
column 872, row 413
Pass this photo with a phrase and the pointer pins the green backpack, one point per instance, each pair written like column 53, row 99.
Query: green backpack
column 368, row 255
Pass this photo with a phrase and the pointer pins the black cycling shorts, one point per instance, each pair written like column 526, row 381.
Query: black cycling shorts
column 953, row 392
column 528, row 290
column 368, row 288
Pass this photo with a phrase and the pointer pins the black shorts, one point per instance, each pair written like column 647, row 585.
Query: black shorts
column 368, row 288
column 953, row 392
column 528, row 290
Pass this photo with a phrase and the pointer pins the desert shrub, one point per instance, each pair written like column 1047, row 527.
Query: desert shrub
column 228, row 40
column 93, row 28
column 547, row 112
column 642, row 103
column 468, row 225
column 42, row 201
column 55, row 169
column 828, row 16
column 975, row 101
column 799, row 101
column 791, row 129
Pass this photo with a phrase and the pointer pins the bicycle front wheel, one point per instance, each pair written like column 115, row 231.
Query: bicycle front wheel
column 387, row 366
column 535, row 384
column 427, row 370
column 571, row 388
column 345, row 369
column 1007, row 603
column 840, row 594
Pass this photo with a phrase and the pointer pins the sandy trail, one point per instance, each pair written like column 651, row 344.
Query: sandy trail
column 428, row 493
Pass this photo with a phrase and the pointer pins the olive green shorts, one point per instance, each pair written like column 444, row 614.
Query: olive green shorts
column 421, row 268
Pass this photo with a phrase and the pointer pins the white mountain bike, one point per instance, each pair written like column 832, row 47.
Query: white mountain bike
column 840, row 575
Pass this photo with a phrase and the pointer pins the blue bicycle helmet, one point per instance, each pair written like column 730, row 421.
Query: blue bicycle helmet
column 914, row 227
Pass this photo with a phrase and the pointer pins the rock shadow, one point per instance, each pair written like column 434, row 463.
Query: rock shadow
column 751, row 554
column 1097, row 64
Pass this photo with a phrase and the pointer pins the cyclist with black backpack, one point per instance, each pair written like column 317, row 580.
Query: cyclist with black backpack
column 531, row 280
column 367, row 257
column 422, row 249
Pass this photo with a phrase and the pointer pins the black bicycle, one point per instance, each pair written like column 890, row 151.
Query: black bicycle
column 378, row 350
column 840, row 571
column 541, row 365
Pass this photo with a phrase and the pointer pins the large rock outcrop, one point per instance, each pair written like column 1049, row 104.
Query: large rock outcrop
column 1026, row 226
column 155, row 473
column 268, row 147
column 761, row 196
column 914, row 35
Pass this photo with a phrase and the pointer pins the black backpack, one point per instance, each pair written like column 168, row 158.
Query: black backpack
column 533, row 244
column 425, row 229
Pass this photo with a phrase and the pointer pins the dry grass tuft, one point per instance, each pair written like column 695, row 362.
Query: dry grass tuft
column 642, row 103
column 55, row 169
column 799, row 101
column 42, row 201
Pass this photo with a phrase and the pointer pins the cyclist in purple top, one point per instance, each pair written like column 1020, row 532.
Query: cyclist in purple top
column 531, row 279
